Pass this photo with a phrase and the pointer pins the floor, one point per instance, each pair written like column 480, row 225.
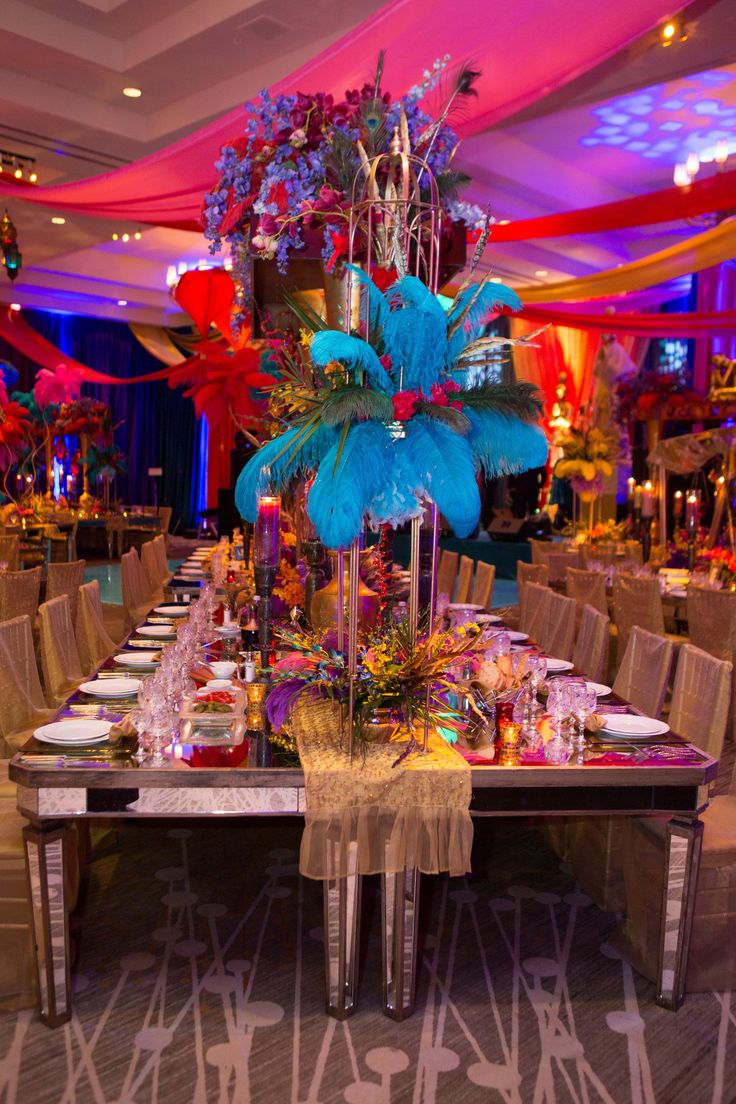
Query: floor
column 199, row 979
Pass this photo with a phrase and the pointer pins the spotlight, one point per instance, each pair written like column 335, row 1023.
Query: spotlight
column 126, row 237
column 33, row 177
column 58, row 220
column 668, row 33
column 132, row 93
column 137, row 235
column 18, row 174
column 15, row 306
column 541, row 273
column 122, row 302
column 115, row 237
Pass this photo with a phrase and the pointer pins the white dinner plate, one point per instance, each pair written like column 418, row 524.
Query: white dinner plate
column 600, row 689
column 74, row 731
column 161, row 632
column 518, row 637
column 145, row 660
column 111, row 687
column 172, row 611
column 556, row 666
column 489, row 619
column 627, row 726
column 473, row 606
column 521, row 648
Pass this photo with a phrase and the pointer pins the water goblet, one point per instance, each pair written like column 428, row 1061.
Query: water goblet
column 583, row 701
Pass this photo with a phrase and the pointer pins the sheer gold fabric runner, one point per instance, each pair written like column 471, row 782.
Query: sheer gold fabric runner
column 414, row 814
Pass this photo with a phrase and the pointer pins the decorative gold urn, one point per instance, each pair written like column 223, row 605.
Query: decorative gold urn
column 323, row 611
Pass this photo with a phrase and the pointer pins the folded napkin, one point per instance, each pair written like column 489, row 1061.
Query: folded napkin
column 121, row 729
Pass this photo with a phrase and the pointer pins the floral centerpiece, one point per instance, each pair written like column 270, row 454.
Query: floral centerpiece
column 585, row 461
column 722, row 565
column 83, row 417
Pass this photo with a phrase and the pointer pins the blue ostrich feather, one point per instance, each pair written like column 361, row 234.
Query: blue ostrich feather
column 353, row 352
column 443, row 462
column 415, row 335
column 398, row 499
column 347, row 482
column 504, row 445
column 490, row 298
column 267, row 467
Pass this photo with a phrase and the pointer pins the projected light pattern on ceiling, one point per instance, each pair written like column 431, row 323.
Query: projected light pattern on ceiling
column 667, row 121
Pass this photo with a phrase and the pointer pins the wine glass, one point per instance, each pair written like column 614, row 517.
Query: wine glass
column 583, row 702
column 536, row 665
column 558, row 749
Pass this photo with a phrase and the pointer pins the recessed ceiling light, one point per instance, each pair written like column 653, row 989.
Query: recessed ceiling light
column 132, row 93
column 137, row 235
column 58, row 220
column 15, row 306
column 115, row 237
column 126, row 237
column 122, row 302
column 496, row 280
column 541, row 272
column 504, row 222
column 18, row 174
column 33, row 178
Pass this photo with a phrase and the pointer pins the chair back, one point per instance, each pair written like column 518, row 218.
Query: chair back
column 150, row 565
column 10, row 552
column 62, row 670
column 588, row 588
column 159, row 543
column 645, row 670
column 558, row 630
column 711, row 616
column 540, row 551
column 19, row 591
column 591, row 647
column 525, row 574
column 701, row 697
column 447, row 573
column 135, row 590
column 637, row 600
column 93, row 642
column 559, row 562
column 464, row 579
column 65, row 578
column 485, row 577
column 165, row 513
column 533, row 616
column 634, row 551
column 20, row 686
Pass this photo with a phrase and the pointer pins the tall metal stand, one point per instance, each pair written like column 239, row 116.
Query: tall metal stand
column 265, row 580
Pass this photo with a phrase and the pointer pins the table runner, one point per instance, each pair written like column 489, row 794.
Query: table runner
column 371, row 817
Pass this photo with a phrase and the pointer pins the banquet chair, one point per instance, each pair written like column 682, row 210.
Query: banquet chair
column 447, row 573
column 19, row 591
column 711, row 616
column 151, row 570
column 60, row 663
column 165, row 513
column 700, row 678
column 534, row 610
column 135, row 590
column 596, row 844
column 636, row 601
column 93, row 641
column 525, row 574
column 591, row 646
column 114, row 530
column 164, row 574
column 634, row 551
column 588, row 588
column 65, row 578
column 540, row 551
column 485, row 578
column 24, row 707
column 558, row 628
column 559, row 562
column 464, row 579
column 10, row 552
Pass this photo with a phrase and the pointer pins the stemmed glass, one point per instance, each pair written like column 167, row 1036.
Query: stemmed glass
column 583, row 705
column 536, row 666
column 558, row 750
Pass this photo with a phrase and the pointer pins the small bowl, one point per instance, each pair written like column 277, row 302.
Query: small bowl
column 219, row 684
column 223, row 669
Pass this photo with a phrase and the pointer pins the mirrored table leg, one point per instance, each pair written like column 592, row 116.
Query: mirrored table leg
column 682, row 857
column 44, row 848
column 342, row 897
column 399, row 925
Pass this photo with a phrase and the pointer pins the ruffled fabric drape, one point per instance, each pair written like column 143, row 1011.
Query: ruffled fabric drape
column 678, row 324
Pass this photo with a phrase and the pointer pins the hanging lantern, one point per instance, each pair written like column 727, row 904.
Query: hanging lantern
column 12, row 258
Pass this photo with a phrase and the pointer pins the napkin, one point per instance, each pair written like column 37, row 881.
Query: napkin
column 121, row 729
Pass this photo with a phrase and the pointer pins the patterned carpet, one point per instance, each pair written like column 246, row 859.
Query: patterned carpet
column 199, row 978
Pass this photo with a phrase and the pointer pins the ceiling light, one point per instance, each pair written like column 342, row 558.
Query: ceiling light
column 171, row 275
column 58, row 220
column 668, row 33
column 132, row 93
column 33, row 177
column 692, row 164
column 126, row 237
column 496, row 280
column 15, row 306
column 137, row 235
column 115, row 237
column 18, row 173
column 541, row 272
column 122, row 302
column 720, row 155
column 503, row 222
column 681, row 176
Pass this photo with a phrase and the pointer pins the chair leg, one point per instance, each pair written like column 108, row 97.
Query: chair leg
column 399, row 924
column 44, row 847
column 342, row 898
column 682, row 858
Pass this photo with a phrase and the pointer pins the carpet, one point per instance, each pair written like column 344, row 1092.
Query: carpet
column 199, row 979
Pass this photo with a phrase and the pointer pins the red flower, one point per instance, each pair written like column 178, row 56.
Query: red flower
column 404, row 404
column 439, row 398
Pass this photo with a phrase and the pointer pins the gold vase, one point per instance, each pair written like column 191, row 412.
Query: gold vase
column 323, row 611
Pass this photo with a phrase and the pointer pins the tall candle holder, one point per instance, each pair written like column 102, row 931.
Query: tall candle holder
column 691, row 524
column 266, row 559
column 647, row 516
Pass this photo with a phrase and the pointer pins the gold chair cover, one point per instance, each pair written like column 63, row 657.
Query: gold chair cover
column 540, row 551
column 711, row 616
column 464, row 579
column 483, row 583
column 151, row 569
column 634, row 551
column 159, row 544
column 62, row 670
column 165, row 513
column 447, row 573
column 23, row 704
column 636, row 601
column 115, row 528
column 591, row 647
column 19, row 592
column 588, row 588
column 93, row 641
column 701, row 697
column 644, row 673
column 135, row 592
column 10, row 552
column 525, row 574
column 559, row 562
column 416, row 814
column 533, row 609
column 558, row 631
column 65, row 578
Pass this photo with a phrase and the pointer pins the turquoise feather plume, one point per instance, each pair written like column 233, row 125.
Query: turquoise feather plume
column 504, row 445
column 352, row 352
column 485, row 300
column 444, row 464
column 415, row 335
column 277, row 462
column 399, row 498
column 350, row 475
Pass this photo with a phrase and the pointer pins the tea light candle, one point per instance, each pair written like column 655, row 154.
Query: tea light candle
column 691, row 512
column 677, row 505
column 647, row 500
column 267, row 543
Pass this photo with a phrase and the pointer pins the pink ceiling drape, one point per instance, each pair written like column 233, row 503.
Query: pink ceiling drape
column 525, row 50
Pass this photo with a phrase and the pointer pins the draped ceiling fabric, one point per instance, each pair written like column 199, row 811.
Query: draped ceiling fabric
column 558, row 349
column 158, row 343
column 680, row 324
column 525, row 51
column 711, row 247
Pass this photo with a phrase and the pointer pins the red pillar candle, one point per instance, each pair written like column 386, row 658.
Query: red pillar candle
column 267, row 542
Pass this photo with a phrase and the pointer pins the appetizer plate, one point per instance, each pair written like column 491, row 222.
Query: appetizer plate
column 518, row 637
column 600, row 689
column 146, row 661
column 77, row 732
column 172, row 611
column 557, row 666
column 625, row 726
column 111, row 687
column 161, row 632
